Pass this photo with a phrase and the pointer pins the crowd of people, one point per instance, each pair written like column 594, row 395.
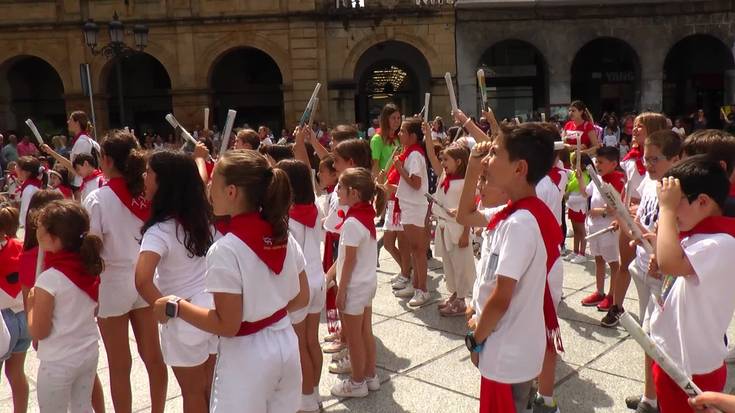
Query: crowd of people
column 223, row 265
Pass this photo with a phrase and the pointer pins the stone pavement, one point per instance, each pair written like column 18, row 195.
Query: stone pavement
column 424, row 367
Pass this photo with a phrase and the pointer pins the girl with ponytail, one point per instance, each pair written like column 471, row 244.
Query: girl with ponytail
column 61, row 308
column 117, row 213
column 32, row 177
column 580, row 127
column 256, row 274
column 82, row 143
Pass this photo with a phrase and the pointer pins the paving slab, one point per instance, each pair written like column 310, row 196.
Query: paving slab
column 593, row 391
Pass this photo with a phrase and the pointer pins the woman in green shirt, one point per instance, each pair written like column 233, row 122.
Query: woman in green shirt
column 385, row 141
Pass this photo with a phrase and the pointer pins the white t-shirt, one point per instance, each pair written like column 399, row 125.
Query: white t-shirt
column 449, row 200
column 647, row 214
column 25, row 200
column 88, row 187
column 514, row 352
column 177, row 273
column 354, row 234
column 84, row 144
column 310, row 241
column 596, row 223
column 415, row 165
column 693, row 320
column 73, row 326
column 634, row 178
column 232, row 267
column 680, row 131
column 333, row 219
column 552, row 196
column 119, row 229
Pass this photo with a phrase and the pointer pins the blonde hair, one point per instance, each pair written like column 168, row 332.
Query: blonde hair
column 652, row 121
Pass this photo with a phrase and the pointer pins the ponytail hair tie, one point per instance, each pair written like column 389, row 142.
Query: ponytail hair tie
column 83, row 235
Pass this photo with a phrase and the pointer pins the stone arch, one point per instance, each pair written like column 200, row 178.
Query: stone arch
column 357, row 51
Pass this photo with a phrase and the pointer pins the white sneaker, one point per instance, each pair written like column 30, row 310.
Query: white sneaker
column 342, row 366
column 569, row 256
column 419, row 298
column 406, row 292
column 578, row 259
column 401, row 283
column 340, row 355
column 396, row 277
column 309, row 403
column 346, row 388
column 373, row 383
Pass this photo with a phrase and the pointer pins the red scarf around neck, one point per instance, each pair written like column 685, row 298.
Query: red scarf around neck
column 552, row 236
column 9, row 264
column 393, row 174
column 635, row 153
column 31, row 182
column 96, row 173
column 138, row 206
column 363, row 212
column 448, row 178
column 616, row 179
column 71, row 265
column 257, row 234
column 305, row 214
column 712, row 225
column 65, row 190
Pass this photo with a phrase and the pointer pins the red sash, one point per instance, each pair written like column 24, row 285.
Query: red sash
column 247, row 327
column 257, row 234
column 9, row 264
column 363, row 212
column 448, row 178
column 305, row 214
column 394, row 177
column 71, row 265
column 30, row 182
column 635, row 153
column 27, row 267
column 555, row 175
column 552, row 236
column 138, row 206
column 712, row 225
column 330, row 240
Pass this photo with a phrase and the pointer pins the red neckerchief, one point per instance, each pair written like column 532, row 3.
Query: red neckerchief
column 96, row 173
column 210, row 168
column 363, row 212
column 732, row 189
column 65, row 190
column 635, row 153
column 9, row 264
column 72, row 266
column 330, row 188
column 222, row 224
column 616, row 179
column 555, row 175
column 552, row 236
column 31, row 181
column 257, row 234
column 448, row 178
column 138, row 206
column 712, row 225
column 402, row 157
column 304, row 214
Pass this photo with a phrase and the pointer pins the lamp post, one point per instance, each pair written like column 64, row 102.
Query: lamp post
column 116, row 48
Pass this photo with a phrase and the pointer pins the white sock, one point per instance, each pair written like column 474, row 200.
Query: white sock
column 548, row 400
column 316, row 391
column 652, row 402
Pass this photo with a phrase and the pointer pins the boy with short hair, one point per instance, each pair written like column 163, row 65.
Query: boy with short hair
column 720, row 146
column 515, row 316
column 603, row 247
column 85, row 166
column 694, row 248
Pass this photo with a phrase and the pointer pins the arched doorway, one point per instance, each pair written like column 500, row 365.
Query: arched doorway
column 146, row 97
column 31, row 88
column 694, row 77
column 249, row 81
column 387, row 72
column 515, row 77
column 606, row 76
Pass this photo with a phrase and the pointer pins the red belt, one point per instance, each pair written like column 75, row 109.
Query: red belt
column 247, row 328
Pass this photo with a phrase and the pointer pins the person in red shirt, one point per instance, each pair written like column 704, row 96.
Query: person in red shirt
column 580, row 126
column 26, row 148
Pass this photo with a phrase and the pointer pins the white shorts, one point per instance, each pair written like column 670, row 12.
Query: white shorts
column 359, row 298
column 605, row 245
column 184, row 345
column 317, row 298
column 259, row 373
column 392, row 221
column 414, row 215
column 118, row 295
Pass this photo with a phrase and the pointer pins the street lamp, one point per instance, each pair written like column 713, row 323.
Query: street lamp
column 116, row 48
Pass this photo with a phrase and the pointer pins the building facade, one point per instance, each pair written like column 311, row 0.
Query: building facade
column 673, row 56
column 260, row 57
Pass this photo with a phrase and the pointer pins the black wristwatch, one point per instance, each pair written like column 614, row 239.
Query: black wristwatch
column 172, row 307
column 472, row 344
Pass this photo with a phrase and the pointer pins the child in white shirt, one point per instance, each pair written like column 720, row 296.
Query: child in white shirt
column 32, row 178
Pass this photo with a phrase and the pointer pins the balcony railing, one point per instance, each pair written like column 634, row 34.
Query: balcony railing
column 390, row 4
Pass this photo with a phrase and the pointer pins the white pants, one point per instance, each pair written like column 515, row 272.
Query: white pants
column 66, row 385
column 259, row 373
column 458, row 263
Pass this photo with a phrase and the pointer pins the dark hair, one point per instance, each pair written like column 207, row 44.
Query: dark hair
column 701, row 174
column 181, row 196
column 207, row 142
column 248, row 136
column 32, row 165
column 128, row 159
column 667, row 140
column 328, row 162
column 717, row 144
column 39, row 200
column 277, row 152
column 9, row 216
column 299, row 176
column 341, row 133
column 356, row 150
column 361, row 179
column 64, row 174
column 533, row 143
column 580, row 106
column 69, row 222
column 80, row 117
column 267, row 189
column 610, row 153
column 385, row 131
column 413, row 126
column 81, row 158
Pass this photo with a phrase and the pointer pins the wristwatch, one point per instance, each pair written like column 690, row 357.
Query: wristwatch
column 172, row 307
column 472, row 345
